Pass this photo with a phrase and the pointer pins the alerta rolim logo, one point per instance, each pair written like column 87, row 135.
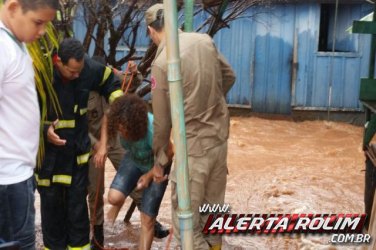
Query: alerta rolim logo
column 344, row 228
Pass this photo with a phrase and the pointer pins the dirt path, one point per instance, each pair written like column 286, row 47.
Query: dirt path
column 276, row 166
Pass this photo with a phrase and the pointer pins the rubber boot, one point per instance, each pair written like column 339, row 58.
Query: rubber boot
column 98, row 238
column 216, row 247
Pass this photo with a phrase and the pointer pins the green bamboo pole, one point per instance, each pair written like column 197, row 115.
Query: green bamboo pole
column 178, row 124
column 188, row 15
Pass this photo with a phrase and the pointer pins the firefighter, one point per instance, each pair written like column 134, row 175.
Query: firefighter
column 97, row 106
column 63, row 177
column 206, row 79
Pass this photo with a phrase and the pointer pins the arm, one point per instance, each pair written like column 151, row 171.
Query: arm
column 228, row 75
column 109, row 87
column 100, row 147
column 107, row 83
column 97, row 107
column 52, row 137
column 145, row 180
column 162, row 122
column 131, row 79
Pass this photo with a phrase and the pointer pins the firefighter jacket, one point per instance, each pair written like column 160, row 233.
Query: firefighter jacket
column 207, row 77
column 59, row 161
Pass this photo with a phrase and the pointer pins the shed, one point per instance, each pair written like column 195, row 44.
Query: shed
column 293, row 55
column 285, row 58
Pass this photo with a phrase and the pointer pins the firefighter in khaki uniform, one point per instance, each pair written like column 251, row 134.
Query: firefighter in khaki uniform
column 207, row 77
column 97, row 106
column 63, row 177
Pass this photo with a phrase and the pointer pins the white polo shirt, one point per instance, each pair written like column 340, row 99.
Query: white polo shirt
column 19, row 111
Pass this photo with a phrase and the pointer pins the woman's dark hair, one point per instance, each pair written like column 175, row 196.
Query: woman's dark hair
column 36, row 4
column 132, row 113
column 71, row 48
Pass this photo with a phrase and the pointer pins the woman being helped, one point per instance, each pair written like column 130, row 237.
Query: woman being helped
column 129, row 116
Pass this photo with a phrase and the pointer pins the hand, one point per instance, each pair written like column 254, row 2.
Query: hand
column 132, row 67
column 54, row 138
column 170, row 151
column 145, row 180
column 100, row 154
column 158, row 174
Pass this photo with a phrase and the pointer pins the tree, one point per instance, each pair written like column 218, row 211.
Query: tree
column 41, row 51
column 121, row 21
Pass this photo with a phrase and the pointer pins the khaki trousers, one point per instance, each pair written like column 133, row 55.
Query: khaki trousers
column 207, row 182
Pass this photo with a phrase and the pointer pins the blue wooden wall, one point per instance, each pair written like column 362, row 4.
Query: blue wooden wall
column 317, row 71
column 263, row 47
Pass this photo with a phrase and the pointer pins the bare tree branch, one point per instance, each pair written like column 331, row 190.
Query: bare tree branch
column 119, row 21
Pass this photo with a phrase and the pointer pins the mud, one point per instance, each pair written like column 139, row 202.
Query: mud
column 275, row 166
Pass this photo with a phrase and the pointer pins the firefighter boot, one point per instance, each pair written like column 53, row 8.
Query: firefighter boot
column 216, row 247
column 98, row 238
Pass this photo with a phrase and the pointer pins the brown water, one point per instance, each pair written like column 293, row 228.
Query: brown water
column 275, row 166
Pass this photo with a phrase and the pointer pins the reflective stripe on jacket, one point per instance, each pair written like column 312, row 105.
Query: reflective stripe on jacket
column 59, row 161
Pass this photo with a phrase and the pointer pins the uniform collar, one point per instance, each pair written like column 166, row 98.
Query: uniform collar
column 163, row 44
column 160, row 47
column 12, row 36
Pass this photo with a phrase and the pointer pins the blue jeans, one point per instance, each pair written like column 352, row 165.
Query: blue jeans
column 126, row 180
column 17, row 213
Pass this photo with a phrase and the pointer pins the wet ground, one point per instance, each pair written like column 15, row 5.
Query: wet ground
column 280, row 166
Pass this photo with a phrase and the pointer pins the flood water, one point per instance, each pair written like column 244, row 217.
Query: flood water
column 275, row 166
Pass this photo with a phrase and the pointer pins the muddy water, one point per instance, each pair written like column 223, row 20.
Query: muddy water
column 275, row 166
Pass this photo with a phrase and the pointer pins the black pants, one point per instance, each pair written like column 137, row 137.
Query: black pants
column 65, row 219
column 369, row 190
